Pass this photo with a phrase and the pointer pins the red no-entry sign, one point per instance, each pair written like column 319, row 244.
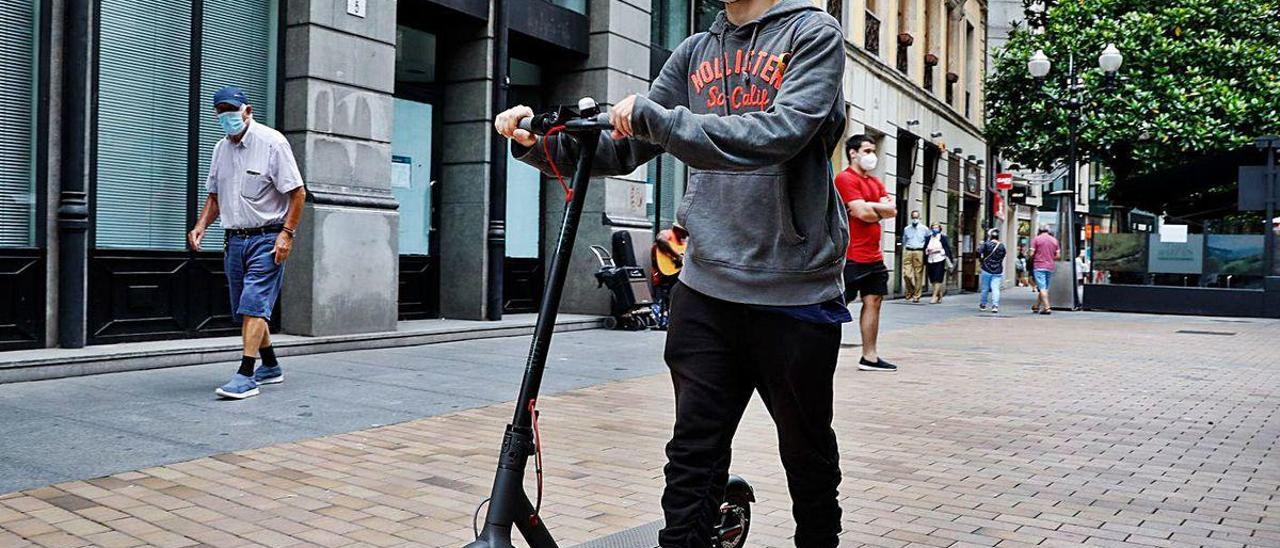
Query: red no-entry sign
column 1004, row 181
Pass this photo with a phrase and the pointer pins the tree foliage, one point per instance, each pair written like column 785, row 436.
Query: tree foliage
column 1198, row 76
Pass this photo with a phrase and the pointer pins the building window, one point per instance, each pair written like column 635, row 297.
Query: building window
column 146, row 191
column 872, row 41
column 237, row 47
column 704, row 13
column 524, row 182
column 906, row 37
column 670, row 23
column 971, row 68
column 18, row 43
column 413, row 136
column 666, row 177
column 579, row 6
column 665, row 174
column 953, row 54
column 951, row 88
column 930, row 43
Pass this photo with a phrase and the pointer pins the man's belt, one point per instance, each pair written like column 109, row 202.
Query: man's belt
column 915, row 249
column 256, row 231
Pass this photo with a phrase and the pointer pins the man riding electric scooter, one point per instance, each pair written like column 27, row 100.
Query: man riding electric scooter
column 754, row 106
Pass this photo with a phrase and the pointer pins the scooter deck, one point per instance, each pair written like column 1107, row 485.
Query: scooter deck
column 644, row 536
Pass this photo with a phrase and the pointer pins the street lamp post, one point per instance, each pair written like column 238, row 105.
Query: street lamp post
column 1039, row 65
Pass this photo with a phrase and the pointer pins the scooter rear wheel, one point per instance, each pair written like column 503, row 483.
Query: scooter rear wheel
column 735, row 517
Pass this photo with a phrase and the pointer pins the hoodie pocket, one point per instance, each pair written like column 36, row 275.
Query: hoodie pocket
column 743, row 219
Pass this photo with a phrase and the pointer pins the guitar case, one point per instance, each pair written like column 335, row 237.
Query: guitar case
column 624, row 253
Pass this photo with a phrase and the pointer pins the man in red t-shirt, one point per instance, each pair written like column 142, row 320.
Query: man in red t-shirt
column 868, row 203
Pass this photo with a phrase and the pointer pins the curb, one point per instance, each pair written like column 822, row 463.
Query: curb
column 55, row 363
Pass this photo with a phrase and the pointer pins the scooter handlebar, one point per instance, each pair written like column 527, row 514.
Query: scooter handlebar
column 540, row 124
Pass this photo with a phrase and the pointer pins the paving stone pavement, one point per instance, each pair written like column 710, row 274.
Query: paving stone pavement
column 1011, row 430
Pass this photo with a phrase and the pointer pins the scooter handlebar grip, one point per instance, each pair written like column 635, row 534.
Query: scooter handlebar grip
column 526, row 124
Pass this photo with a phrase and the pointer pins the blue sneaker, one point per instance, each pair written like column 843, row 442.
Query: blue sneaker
column 268, row 375
column 238, row 388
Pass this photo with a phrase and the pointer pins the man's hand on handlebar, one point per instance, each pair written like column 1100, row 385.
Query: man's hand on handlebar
column 507, row 125
column 620, row 115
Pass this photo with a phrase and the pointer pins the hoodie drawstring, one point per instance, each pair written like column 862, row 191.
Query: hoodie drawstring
column 724, row 72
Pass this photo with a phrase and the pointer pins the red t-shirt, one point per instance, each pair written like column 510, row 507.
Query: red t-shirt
column 864, row 237
column 1045, row 249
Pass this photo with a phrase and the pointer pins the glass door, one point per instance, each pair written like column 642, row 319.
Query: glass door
column 411, row 174
column 414, row 171
column 523, row 268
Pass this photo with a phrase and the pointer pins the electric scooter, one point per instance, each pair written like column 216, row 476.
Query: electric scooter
column 509, row 505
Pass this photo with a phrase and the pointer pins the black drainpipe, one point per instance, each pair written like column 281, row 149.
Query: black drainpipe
column 497, row 245
column 73, row 200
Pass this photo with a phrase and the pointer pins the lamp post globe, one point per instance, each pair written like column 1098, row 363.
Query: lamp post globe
column 1039, row 64
column 1110, row 59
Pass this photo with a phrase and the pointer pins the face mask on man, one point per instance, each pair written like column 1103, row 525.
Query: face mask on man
column 868, row 161
column 232, row 122
column 915, row 221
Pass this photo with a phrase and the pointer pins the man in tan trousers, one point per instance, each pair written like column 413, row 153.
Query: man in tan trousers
column 914, row 237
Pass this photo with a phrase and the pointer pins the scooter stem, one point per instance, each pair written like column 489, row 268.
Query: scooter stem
column 508, row 504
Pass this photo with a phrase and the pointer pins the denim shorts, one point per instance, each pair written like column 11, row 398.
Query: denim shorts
column 1043, row 278
column 253, row 277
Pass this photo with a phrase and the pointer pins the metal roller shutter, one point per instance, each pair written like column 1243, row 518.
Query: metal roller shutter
column 238, row 49
column 17, row 123
column 143, row 102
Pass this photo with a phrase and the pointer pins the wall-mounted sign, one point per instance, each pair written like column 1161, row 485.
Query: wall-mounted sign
column 356, row 7
column 401, row 172
column 1004, row 181
column 1184, row 257
column 1173, row 234
column 1117, row 252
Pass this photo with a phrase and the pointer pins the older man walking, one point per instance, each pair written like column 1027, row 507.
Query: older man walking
column 1045, row 253
column 914, row 236
column 255, row 185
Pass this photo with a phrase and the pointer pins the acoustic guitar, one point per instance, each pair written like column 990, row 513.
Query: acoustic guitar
column 663, row 260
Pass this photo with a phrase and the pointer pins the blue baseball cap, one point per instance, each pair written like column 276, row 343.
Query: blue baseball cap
column 230, row 95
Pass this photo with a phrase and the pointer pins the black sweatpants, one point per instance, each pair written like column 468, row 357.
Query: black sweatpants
column 719, row 353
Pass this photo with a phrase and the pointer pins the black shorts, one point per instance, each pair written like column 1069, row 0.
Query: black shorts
column 865, row 279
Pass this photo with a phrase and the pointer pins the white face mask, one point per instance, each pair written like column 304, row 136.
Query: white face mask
column 868, row 161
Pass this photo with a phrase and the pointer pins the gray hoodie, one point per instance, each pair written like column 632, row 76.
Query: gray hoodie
column 765, row 222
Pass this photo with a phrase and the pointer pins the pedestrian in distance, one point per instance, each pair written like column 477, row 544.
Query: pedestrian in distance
column 865, row 274
column 1020, row 268
column 938, row 260
column 1045, row 253
column 1082, row 267
column 754, row 107
column 255, row 187
column 991, row 257
column 914, row 236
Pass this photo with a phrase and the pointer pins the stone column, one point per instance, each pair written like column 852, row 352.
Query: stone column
column 618, row 67
column 339, row 79
column 467, row 72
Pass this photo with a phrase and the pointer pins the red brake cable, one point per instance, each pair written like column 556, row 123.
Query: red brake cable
column 546, row 149
column 537, row 452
